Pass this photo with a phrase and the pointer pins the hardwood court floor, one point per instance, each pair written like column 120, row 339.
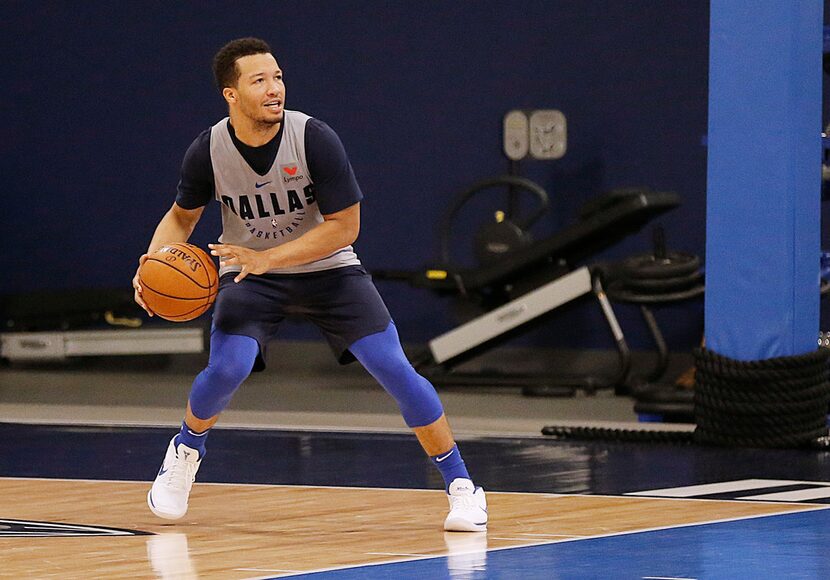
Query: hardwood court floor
column 239, row 531
column 350, row 505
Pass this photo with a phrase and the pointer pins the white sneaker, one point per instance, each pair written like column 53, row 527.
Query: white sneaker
column 168, row 496
column 468, row 507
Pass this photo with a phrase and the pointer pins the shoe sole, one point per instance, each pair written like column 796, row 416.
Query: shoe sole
column 464, row 526
column 159, row 513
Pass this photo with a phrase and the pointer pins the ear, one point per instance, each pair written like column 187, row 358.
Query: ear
column 229, row 94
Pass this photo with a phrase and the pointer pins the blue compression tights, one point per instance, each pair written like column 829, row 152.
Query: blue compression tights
column 231, row 360
column 381, row 354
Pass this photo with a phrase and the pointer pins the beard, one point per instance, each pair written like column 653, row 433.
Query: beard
column 263, row 123
column 262, row 120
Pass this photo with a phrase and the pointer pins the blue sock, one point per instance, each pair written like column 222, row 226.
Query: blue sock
column 451, row 466
column 192, row 439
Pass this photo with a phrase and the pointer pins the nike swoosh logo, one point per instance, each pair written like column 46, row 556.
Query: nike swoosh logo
column 440, row 459
column 258, row 185
column 162, row 471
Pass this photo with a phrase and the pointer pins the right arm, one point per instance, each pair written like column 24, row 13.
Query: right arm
column 176, row 226
column 195, row 190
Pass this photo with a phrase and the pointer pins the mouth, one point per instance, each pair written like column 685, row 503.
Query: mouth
column 274, row 106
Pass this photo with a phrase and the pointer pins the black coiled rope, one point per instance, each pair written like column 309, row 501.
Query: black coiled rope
column 775, row 403
column 674, row 437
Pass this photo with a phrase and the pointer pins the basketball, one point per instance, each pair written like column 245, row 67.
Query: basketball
column 178, row 282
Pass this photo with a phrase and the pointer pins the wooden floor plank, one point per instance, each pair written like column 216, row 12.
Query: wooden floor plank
column 234, row 531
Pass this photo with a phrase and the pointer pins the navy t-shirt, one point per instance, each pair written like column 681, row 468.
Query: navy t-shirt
column 334, row 180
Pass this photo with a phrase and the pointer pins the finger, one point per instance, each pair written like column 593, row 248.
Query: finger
column 142, row 259
column 141, row 303
column 223, row 252
column 232, row 261
column 221, row 246
column 241, row 275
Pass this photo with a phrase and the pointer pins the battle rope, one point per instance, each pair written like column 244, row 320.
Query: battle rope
column 778, row 402
column 773, row 403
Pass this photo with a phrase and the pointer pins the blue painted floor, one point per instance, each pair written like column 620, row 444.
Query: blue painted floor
column 792, row 546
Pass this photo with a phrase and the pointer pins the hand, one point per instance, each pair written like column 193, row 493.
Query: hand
column 137, row 287
column 252, row 262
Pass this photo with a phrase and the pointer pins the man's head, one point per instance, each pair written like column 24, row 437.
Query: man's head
column 250, row 80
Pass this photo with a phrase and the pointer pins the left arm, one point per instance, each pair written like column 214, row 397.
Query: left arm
column 338, row 229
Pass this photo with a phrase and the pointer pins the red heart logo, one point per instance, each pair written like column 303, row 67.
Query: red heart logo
column 290, row 170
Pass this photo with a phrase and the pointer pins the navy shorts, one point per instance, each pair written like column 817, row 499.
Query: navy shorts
column 342, row 302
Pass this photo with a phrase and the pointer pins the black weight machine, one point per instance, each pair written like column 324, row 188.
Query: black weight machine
column 527, row 281
column 517, row 281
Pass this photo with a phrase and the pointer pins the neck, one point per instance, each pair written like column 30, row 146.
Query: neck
column 251, row 132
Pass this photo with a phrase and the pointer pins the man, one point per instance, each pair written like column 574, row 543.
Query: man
column 290, row 212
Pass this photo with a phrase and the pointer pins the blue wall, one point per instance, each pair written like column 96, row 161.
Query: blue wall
column 103, row 101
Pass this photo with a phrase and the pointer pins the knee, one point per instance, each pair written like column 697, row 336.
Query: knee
column 228, row 372
column 392, row 370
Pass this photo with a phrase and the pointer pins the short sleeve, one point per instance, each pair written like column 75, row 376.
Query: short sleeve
column 196, row 185
column 334, row 181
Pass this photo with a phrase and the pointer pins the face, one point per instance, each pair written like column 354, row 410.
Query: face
column 259, row 93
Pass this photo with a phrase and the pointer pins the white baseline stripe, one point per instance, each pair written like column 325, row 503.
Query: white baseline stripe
column 709, row 488
column 266, row 570
column 800, row 495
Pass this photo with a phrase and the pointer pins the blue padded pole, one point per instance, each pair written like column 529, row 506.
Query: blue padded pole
column 764, row 178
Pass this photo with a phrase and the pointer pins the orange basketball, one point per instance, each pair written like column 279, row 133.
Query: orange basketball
column 178, row 282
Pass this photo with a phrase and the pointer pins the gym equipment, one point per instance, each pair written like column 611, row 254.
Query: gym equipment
column 531, row 280
column 507, row 233
column 56, row 326
column 658, row 278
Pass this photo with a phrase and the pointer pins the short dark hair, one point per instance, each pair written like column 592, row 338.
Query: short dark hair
column 224, row 63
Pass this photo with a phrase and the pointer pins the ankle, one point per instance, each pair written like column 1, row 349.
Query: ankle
column 192, row 438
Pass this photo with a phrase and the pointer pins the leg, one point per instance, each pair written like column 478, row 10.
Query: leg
column 381, row 354
column 436, row 438
column 231, row 360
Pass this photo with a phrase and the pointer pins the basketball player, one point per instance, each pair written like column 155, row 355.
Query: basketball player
column 290, row 212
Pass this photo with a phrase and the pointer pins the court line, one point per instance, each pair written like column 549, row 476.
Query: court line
column 805, row 508
column 527, row 539
column 810, row 508
column 394, row 554
column 413, row 489
column 266, row 570
column 723, row 487
column 816, row 492
column 554, row 535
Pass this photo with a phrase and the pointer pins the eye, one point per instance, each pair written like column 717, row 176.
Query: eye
column 278, row 77
column 259, row 80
